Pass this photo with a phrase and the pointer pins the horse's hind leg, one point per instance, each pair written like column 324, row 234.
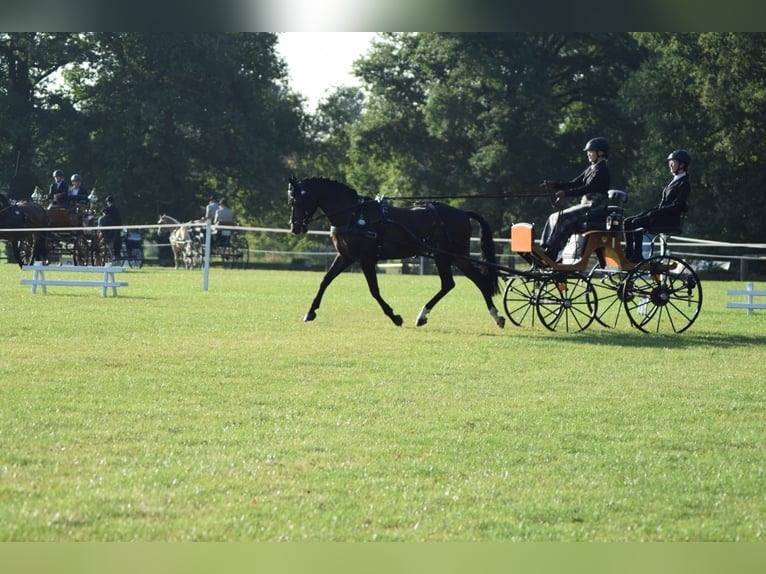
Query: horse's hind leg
column 339, row 265
column 447, row 284
column 370, row 273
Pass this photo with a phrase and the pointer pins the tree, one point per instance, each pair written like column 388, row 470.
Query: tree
column 705, row 92
column 175, row 117
column 487, row 113
column 33, row 114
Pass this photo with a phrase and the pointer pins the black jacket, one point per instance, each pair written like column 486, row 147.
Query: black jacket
column 596, row 179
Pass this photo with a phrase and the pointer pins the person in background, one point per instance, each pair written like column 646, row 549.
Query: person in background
column 211, row 208
column 223, row 216
column 110, row 216
column 58, row 190
column 668, row 213
column 591, row 186
column 77, row 194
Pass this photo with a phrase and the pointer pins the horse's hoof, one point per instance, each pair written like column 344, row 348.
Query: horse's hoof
column 501, row 322
column 421, row 321
column 397, row 319
column 310, row 316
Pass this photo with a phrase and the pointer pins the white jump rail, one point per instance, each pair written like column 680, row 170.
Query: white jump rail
column 749, row 292
column 105, row 282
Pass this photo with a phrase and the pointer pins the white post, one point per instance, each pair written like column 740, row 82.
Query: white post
column 749, row 287
column 206, row 269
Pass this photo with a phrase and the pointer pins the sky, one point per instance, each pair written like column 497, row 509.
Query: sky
column 319, row 62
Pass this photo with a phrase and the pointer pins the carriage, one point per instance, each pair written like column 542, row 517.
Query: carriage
column 226, row 243
column 131, row 249
column 83, row 243
column 660, row 294
column 187, row 241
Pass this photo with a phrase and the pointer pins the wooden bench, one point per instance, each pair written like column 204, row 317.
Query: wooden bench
column 106, row 281
column 749, row 292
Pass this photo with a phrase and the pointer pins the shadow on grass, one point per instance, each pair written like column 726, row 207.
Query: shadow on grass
column 601, row 336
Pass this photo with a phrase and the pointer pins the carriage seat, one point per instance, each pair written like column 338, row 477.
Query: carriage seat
column 609, row 216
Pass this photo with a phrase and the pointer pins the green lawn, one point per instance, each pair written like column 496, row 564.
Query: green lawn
column 170, row 413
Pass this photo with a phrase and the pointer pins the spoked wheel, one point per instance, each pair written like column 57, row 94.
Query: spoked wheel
column 26, row 252
column 609, row 290
column 136, row 257
column 663, row 295
column 520, row 300
column 567, row 302
column 241, row 250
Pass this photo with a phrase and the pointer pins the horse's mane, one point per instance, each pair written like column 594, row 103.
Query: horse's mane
column 328, row 184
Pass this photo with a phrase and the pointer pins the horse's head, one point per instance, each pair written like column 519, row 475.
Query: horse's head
column 302, row 204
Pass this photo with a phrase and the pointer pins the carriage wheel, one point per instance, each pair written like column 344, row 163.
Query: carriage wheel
column 609, row 286
column 663, row 295
column 568, row 302
column 239, row 251
column 26, row 253
column 136, row 257
column 520, row 300
column 81, row 253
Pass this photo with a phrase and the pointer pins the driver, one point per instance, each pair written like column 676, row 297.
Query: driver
column 591, row 186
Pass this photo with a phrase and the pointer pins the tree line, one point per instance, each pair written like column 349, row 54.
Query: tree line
column 163, row 120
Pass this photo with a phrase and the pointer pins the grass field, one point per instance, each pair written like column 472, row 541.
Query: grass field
column 170, row 413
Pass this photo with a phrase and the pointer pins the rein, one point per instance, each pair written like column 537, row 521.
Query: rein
column 475, row 196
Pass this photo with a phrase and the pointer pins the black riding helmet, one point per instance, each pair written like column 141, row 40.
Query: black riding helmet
column 680, row 155
column 598, row 145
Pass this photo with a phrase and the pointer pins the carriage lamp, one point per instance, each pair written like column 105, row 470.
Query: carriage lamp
column 36, row 195
column 93, row 198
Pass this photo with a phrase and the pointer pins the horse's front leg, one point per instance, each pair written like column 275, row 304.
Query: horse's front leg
column 370, row 273
column 444, row 267
column 339, row 265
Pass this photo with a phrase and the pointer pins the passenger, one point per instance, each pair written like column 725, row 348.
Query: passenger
column 77, row 194
column 223, row 216
column 58, row 189
column 667, row 214
column 111, row 217
column 591, row 186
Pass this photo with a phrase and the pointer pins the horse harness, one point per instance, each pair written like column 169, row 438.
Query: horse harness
column 361, row 221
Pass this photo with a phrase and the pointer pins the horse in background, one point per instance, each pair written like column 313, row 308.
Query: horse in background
column 24, row 215
column 366, row 230
column 180, row 241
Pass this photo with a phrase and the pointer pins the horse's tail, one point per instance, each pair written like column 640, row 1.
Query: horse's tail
column 487, row 245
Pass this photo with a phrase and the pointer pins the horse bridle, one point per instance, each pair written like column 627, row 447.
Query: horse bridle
column 294, row 200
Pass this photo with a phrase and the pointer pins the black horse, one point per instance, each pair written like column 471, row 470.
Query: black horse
column 366, row 231
column 24, row 215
